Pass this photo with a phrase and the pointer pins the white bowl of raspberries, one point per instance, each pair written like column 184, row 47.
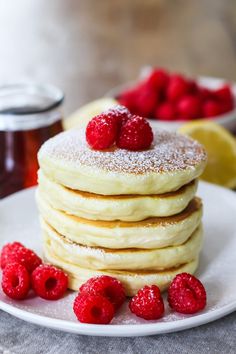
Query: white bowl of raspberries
column 170, row 100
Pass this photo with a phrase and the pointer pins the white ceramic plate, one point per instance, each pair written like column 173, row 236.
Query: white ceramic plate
column 19, row 221
column 227, row 120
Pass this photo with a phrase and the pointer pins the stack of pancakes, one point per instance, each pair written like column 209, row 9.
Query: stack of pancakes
column 131, row 215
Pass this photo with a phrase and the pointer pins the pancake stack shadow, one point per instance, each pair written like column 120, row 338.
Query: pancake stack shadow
column 140, row 224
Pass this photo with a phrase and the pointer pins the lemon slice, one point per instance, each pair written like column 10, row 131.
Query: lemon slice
column 221, row 149
column 84, row 114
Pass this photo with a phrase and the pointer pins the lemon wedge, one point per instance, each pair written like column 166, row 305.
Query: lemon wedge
column 221, row 149
column 84, row 114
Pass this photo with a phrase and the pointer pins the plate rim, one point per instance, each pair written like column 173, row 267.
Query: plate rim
column 116, row 330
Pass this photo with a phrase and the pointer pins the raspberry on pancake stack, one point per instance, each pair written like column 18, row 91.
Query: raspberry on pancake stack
column 120, row 200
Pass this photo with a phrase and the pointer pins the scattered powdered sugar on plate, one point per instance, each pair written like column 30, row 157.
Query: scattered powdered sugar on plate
column 169, row 152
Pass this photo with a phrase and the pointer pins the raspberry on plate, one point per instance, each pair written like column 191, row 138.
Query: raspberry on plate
column 136, row 134
column 186, row 294
column 93, row 309
column 148, row 303
column 106, row 286
column 7, row 250
column 15, row 281
column 49, row 282
column 16, row 252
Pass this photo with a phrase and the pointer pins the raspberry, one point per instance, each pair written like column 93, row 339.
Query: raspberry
column 158, row 79
column 226, row 106
column 15, row 281
column 128, row 99
column 49, row 282
column 101, row 131
column 224, row 97
column 192, row 87
column 120, row 113
column 141, row 100
column 136, row 134
column 93, row 309
column 8, row 249
column 189, row 107
column 106, row 286
column 16, row 252
column 146, row 101
column 224, row 94
column 205, row 93
column 166, row 111
column 177, row 88
column 211, row 108
column 186, row 294
column 148, row 303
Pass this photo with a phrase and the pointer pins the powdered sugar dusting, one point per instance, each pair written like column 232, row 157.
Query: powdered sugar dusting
column 118, row 110
column 169, row 152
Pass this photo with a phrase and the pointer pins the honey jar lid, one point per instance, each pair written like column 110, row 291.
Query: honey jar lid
column 26, row 106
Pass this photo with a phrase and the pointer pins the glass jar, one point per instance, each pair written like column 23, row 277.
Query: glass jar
column 29, row 115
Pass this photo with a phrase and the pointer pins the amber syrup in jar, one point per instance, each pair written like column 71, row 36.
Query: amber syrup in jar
column 30, row 114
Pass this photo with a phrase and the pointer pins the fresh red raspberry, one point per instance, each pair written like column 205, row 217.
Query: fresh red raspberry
column 135, row 135
column 226, row 107
column 189, row 107
column 205, row 93
column 49, row 282
column 224, row 94
column 224, row 97
column 16, row 252
column 148, row 303
column 15, row 281
column 93, row 309
column 193, row 88
column 106, row 286
column 128, row 99
column 211, row 108
column 158, row 79
column 8, row 249
column 146, row 101
column 186, row 294
column 120, row 113
column 101, row 131
column 166, row 111
column 177, row 88
column 140, row 100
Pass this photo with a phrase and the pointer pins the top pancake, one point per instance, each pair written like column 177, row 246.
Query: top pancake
column 172, row 161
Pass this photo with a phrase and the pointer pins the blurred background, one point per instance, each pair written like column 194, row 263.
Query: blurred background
column 86, row 47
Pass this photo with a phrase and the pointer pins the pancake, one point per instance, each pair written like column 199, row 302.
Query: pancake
column 132, row 281
column 121, row 207
column 172, row 161
column 148, row 233
column 127, row 259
